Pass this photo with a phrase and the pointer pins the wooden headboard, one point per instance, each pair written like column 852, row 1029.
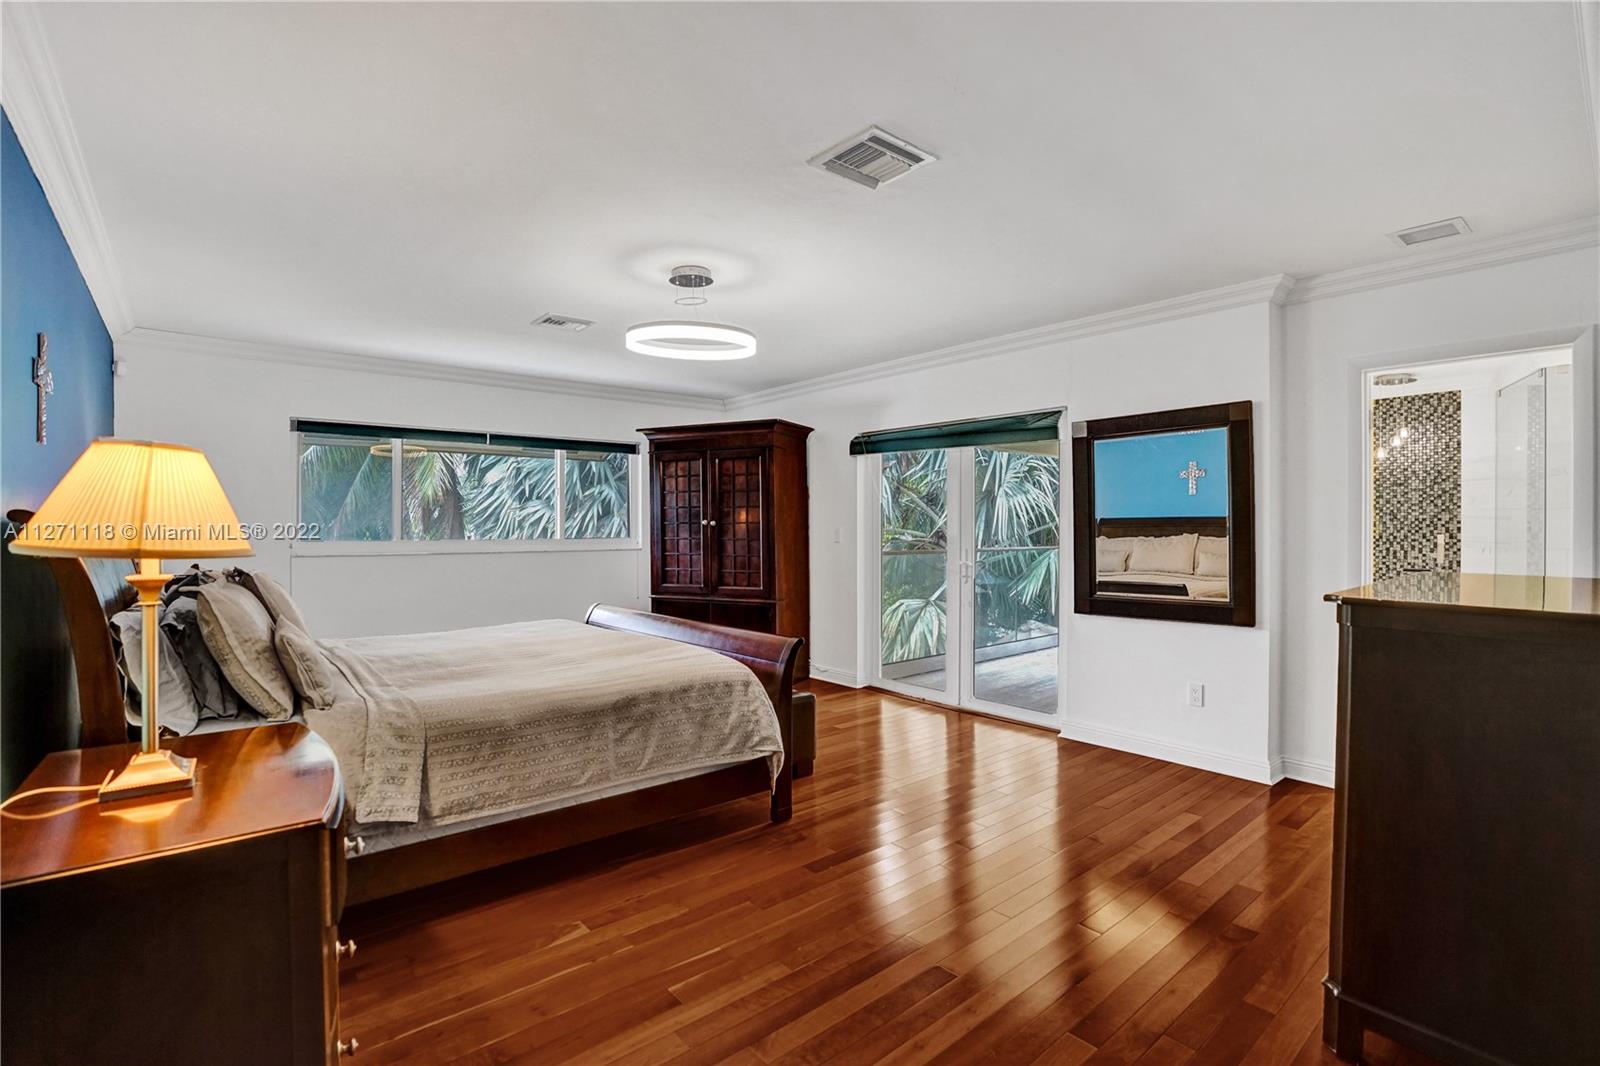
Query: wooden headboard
column 92, row 590
column 1162, row 527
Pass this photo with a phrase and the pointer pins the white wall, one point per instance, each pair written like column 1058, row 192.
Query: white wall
column 1270, row 690
column 238, row 409
column 1125, row 680
column 1331, row 341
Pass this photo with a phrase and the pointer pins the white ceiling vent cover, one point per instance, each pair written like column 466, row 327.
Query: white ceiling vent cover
column 1431, row 231
column 566, row 322
column 872, row 158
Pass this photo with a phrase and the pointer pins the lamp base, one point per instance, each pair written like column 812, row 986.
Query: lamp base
column 147, row 773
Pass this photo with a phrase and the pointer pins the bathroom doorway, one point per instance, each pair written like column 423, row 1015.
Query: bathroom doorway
column 1470, row 466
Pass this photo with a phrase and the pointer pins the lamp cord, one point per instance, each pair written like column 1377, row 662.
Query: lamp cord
column 48, row 789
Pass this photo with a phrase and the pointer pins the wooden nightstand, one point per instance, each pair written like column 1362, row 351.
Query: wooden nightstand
column 196, row 929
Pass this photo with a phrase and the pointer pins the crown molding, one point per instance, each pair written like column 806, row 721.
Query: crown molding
column 1470, row 255
column 130, row 344
column 1272, row 289
column 38, row 112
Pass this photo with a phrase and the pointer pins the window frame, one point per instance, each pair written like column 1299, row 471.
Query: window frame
column 398, row 544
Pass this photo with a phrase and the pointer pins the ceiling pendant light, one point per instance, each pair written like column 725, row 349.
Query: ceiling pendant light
column 690, row 338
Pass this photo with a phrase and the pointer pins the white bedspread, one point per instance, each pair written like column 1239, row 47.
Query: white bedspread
column 476, row 722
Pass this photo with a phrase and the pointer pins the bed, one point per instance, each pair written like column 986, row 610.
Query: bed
column 614, row 683
column 1179, row 558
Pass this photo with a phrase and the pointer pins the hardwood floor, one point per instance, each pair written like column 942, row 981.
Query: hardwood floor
column 951, row 889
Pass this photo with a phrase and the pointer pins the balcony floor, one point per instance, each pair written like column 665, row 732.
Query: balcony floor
column 1027, row 681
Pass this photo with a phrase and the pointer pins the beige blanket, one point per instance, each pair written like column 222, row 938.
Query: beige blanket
column 476, row 722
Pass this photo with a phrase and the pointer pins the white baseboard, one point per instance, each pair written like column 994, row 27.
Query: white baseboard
column 846, row 678
column 1315, row 773
column 1156, row 748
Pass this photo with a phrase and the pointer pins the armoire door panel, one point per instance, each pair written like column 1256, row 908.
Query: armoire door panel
column 738, row 551
column 681, row 522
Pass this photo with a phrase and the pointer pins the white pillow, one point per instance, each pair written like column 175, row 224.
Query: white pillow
column 1211, row 557
column 238, row 630
column 1111, row 554
column 1164, row 555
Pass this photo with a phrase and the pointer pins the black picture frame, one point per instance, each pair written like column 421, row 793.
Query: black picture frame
column 1240, row 609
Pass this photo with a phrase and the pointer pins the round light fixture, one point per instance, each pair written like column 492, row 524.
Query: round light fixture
column 690, row 338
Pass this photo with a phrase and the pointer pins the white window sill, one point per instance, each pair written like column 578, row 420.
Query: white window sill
column 333, row 548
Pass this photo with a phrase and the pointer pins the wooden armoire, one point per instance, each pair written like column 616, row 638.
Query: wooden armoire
column 729, row 517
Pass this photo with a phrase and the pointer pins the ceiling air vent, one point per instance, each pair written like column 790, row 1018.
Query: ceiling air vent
column 872, row 158
column 566, row 322
column 1432, row 231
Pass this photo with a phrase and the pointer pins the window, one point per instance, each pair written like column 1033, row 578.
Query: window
column 409, row 486
column 346, row 488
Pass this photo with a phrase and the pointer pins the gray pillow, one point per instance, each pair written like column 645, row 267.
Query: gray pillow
column 308, row 667
column 176, row 707
column 238, row 631
column 277, row 599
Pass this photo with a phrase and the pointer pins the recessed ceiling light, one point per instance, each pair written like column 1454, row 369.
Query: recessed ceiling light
column 1389, row 380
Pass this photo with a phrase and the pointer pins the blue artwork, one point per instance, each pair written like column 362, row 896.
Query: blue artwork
column 1162, row 475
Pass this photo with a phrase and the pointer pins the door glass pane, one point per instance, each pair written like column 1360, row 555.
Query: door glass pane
column 682, row 522
column 1520, row 477
column 739, row 521
column 914, row 547
column 1016, row 574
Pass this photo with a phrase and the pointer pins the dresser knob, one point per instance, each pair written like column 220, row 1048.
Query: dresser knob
column 345, row 949
column 348, row 1047
column 354, row 846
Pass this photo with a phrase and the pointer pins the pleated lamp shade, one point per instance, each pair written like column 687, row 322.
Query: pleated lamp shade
column 136, row 499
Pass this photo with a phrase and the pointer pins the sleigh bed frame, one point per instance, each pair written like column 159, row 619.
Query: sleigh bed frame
column 92, row 590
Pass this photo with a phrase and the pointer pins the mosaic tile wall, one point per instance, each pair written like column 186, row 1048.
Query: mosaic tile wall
column 1416, row 486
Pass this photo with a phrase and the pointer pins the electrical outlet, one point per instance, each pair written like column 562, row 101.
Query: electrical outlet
column 1197, row 694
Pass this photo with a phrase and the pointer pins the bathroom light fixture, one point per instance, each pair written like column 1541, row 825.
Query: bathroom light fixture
column 690, row 338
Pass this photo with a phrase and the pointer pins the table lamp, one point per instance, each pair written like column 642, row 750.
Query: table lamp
column 141, row 500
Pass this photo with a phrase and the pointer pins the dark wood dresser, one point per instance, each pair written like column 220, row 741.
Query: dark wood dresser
column 197, row 929
column 729, row 527
column 1466, row 848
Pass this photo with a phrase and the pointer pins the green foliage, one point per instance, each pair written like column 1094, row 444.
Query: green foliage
column 345, row 491
column 1018, row 533
column 459, row 495
column 597, row 496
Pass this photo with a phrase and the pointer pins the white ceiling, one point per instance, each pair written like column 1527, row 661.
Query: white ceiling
column 421, row 180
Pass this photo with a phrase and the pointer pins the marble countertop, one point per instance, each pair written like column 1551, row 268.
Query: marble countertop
column 1510, row 593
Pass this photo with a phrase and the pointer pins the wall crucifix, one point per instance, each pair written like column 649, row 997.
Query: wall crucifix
column 1192, row 473
column 44, row 381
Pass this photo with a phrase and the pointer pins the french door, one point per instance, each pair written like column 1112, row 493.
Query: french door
column 968, row 592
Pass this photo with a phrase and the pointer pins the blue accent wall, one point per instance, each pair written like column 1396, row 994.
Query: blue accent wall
column 1137, row 477
column 41, row 291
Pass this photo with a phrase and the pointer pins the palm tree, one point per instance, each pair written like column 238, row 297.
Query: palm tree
column 596, row 503
column 345, row 491
column 1018, row 534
